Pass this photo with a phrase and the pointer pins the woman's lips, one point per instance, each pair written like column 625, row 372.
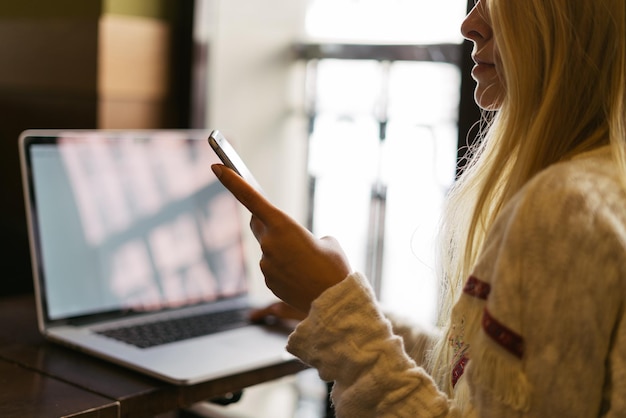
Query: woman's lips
column 482, row 66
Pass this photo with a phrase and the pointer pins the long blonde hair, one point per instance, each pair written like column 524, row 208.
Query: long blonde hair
column 563, row 68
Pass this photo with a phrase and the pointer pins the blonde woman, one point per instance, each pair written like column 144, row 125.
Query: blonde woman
column 533, row 241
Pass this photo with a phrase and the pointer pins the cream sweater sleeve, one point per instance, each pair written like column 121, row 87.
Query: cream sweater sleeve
column 417, row 338
column 347, row 338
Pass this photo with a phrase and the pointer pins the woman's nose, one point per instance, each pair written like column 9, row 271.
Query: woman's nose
column 475, row 25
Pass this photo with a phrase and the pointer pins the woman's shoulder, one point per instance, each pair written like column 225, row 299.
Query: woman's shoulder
column 589, row 183
column 582, row 199
column 579, row 172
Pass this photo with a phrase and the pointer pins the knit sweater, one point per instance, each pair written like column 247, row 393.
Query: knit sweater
column 539, row 331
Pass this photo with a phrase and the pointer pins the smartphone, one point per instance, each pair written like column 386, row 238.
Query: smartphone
column 231, row 159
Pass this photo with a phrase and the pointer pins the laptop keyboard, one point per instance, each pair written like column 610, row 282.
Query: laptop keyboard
column 177, row 329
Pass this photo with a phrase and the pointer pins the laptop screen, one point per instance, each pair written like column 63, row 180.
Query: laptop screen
column 130, row 221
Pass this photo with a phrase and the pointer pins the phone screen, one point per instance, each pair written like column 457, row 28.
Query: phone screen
column 231, row 159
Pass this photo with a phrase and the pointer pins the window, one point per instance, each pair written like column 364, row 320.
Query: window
column 383, row 95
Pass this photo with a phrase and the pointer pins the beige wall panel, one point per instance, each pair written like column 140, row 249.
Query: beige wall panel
column 130, row 114
column 133, row 57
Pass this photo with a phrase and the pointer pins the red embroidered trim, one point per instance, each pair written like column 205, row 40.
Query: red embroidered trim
column 508, row 339
column 459, row 369
column 477, row 288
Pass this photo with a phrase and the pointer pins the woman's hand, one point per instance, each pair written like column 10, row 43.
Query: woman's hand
column 297, row 266
column 277, row 311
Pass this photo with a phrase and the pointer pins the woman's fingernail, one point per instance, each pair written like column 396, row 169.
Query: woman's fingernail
column 217, row 170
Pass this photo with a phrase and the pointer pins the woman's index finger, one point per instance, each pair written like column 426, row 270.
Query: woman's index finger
column 245, row 193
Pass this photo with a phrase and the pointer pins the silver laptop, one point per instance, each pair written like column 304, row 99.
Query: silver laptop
column 138, row 255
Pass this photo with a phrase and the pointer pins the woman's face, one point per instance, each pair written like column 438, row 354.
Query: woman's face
column 477, row 28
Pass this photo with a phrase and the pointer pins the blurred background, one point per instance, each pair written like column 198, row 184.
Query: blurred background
column 353, row 114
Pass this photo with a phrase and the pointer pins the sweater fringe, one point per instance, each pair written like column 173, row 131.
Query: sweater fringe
column 490, row 365
column 499, row 371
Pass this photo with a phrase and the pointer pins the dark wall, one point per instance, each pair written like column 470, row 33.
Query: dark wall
column 49, row 79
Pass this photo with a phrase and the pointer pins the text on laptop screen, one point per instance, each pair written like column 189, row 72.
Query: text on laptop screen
column 131, row 223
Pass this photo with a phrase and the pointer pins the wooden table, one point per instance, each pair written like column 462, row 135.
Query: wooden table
column 42, row 379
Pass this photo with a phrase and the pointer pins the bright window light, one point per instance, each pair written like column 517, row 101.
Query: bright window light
column 382, row 197
column 411, row 21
